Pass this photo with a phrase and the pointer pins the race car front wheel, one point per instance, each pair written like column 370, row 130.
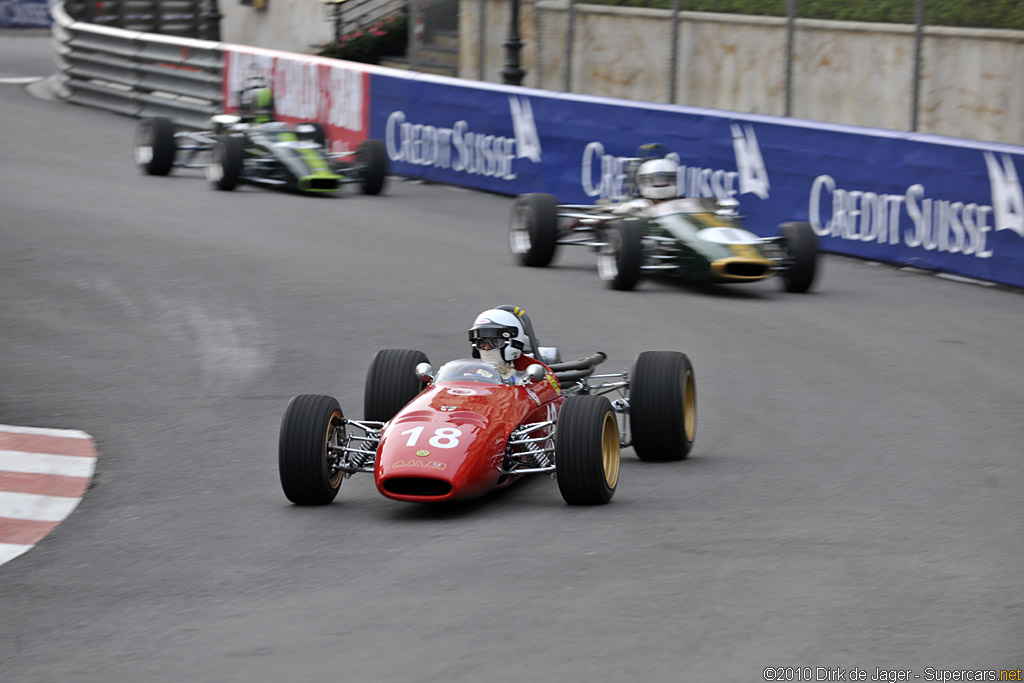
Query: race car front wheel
column 225, row 168
column 533, row 229
column 155, row 146
column 619, row 261
column 587, row 450
column 309, row 449
column 374, row 158
column 391, row 382
column 662, row 405
column 802, row 254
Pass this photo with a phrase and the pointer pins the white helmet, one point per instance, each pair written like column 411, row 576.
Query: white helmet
column 657, row 179
column 498, row 336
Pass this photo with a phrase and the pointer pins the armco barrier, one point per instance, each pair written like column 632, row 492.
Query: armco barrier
column 138, row 74
column 942, row 204
column 935, row 203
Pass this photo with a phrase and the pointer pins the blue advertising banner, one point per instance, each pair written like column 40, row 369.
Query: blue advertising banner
column 936, row 203
column 24, row 13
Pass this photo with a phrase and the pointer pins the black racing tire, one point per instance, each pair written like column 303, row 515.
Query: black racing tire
column 155, row 146
column 662, row 405
column 310, row 424
column 391, row 382
column 533, row 229
column 225, row 168
column 374, row 160
column 802, row 253
column 587, row 450
column 619, row 263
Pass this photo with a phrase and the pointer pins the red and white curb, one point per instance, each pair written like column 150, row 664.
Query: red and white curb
column 43, row 475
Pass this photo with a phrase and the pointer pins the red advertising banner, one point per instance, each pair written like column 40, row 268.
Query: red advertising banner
column 306, row 88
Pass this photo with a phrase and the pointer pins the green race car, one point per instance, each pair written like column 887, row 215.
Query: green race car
column 271, row 154
column 652, row 231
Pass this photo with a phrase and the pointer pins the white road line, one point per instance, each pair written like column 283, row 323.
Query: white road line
column 45, row 463
column 36, row 507
column 20, row 80
column 43, row 431
column 9, row 551
column 965, row 280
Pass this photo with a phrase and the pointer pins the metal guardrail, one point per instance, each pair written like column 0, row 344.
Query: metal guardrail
column 137, row 74
column 168, row 17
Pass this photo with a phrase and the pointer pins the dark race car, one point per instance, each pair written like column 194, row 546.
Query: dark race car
column 271, row 154
column 653, row 231
column 472, row 426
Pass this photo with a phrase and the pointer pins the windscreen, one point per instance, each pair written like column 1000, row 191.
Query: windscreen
column 469, row 370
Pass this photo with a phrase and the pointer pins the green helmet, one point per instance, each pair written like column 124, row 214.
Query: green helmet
column 257, row 104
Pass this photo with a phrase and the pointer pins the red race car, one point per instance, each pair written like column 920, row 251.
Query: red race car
column 481, row 423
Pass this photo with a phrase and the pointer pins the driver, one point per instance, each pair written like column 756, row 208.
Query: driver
column 256, row 102
column 498, row 337
column 657, row 179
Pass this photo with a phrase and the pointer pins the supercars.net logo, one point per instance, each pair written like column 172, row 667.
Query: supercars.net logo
column 462, row 149
column 14, row 13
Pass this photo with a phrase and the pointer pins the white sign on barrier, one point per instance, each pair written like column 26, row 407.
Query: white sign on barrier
column 334, row 93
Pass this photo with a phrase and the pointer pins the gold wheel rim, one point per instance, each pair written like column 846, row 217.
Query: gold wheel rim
column 689, row 406
column 333, row 427
column 610, row 449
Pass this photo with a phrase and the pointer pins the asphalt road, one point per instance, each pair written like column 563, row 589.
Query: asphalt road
column 853, row 498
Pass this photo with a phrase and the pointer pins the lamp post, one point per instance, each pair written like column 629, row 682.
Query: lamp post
column 512, row 74
column 213, row 17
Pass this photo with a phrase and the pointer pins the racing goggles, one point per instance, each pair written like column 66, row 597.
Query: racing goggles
column 661, row 179
column 488, row 338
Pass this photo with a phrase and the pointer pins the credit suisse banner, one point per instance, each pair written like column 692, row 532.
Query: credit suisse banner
column 24, row 13
column 306, row 88
column 936, row 203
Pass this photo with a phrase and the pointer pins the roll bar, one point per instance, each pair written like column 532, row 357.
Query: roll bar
column 577, row 369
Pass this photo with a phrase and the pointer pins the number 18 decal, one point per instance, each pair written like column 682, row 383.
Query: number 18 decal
column 444, row 437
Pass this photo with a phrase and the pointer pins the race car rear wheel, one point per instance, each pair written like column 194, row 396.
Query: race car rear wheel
column 802, row 252
column 619, row 261
column 155, row 146
column 374, row 158
column 391, row 382
column 587, row 450
column 225, row 168
column 533, row 229
column 312, row 434
column 662, row 405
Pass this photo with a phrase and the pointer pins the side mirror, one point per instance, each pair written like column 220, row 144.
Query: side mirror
column 425, row 372
column 225, row 119
column 536, row 373
column 727, row 207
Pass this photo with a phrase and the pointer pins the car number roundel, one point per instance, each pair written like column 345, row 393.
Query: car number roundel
column 439, row 437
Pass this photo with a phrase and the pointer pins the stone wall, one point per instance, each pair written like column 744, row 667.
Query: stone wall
column 843, row 72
